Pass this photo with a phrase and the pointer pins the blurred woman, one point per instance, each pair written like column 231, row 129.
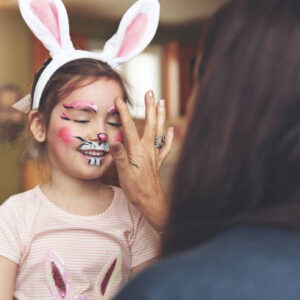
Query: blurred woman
column 234, row 223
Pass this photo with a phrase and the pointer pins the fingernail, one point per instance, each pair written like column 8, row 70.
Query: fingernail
column 162, row 103
column 151, row 94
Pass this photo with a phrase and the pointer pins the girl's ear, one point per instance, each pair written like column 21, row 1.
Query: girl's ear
column 37, row 126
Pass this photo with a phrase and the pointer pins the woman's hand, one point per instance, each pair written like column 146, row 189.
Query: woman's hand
column 138, row 165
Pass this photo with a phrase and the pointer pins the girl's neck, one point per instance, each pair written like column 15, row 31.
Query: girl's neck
column 78, row 196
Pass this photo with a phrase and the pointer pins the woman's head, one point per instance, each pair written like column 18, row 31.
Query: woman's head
column 76, row 117
column 240, row 162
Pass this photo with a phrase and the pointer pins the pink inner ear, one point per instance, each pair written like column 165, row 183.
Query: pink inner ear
column 47, row 13
column 133, row 34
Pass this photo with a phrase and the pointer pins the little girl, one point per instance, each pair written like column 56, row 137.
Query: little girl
column 74, row 237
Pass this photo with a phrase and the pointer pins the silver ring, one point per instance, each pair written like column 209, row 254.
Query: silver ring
column 159, row 141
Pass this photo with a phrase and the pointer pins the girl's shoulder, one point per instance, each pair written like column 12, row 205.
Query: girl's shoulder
column 123, row 203
column 22, row 201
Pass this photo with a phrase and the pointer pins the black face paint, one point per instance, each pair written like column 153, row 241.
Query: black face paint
column 95, row 151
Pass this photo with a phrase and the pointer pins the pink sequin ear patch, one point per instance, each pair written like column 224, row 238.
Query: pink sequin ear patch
column 133, row 35
column 57, row 276
column 46, row 12
column 107, row 277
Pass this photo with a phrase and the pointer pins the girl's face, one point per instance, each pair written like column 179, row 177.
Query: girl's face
column 81, row 127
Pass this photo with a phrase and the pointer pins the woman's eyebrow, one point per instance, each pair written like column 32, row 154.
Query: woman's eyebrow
column 82, row 105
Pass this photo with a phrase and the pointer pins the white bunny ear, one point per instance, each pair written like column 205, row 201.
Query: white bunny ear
column 136, row 30
column 49, row 22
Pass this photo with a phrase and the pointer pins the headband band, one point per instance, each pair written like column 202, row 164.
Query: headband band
column 49, row 22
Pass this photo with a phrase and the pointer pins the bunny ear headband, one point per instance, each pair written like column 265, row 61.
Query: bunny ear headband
column 49, row 22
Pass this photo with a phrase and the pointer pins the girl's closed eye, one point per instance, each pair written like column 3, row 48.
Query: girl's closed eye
column 114, row 121
column 81, row 121
column 80, row 116
column 114, row 124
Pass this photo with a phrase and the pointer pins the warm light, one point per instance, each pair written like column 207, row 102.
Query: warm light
column 144, row 73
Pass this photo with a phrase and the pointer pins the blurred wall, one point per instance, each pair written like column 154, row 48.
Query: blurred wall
column 14, row 69
column 14, row 51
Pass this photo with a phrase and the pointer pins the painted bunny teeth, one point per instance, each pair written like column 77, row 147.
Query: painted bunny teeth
column 93, row 153
column 89, row 146
column 95, row 161
column 49, row 22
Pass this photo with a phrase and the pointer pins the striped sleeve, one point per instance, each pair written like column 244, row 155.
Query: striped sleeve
column 10, row 242
column 145, row 243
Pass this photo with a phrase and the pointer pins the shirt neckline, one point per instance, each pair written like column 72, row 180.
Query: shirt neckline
column 63, row 213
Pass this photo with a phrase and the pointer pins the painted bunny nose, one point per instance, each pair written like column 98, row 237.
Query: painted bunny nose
column 102, row 137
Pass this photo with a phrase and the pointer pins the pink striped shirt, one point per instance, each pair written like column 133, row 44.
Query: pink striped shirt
column 65, row 256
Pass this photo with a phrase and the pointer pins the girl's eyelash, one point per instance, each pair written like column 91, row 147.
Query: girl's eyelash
column 81, row 121
column 114, row 124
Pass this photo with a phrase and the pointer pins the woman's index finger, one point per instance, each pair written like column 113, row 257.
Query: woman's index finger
column 130, row 132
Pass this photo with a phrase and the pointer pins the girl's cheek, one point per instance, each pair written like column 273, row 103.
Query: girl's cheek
column 119, row 137
column 65, row 134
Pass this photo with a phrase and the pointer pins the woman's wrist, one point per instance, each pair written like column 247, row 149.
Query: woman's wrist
column 155, row 209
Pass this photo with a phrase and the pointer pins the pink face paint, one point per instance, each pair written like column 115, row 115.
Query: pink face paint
column 102, row 137
column 65, row 117
column 82, row 104
column 119, row 137
column 65, row 134
column 112, row 110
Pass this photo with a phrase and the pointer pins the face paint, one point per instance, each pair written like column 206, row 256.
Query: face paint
column 112, row 110
column 94, row 152
column 65, row 134
column 102, row 137
column 119, row 137
column 65, row 117
column 82, row 104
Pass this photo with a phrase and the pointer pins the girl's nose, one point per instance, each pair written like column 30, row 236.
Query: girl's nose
column 102, row 137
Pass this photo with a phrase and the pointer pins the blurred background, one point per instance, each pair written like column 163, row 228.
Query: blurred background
column 166, row 67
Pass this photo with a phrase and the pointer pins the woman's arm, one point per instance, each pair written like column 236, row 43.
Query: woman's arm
column 138, row 165
column 8, row 271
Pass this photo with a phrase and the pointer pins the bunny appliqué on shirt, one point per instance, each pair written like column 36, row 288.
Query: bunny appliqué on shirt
column 60, row 282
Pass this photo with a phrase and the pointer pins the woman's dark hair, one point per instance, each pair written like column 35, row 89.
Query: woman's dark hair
column 66, row 79
column 240, row 163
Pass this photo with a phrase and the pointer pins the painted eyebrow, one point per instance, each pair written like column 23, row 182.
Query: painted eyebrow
column 113, row 110
column 82, row 105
